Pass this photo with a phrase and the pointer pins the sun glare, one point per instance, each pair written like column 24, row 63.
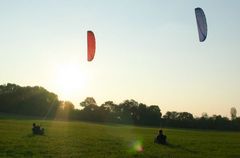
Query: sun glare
column 70, row 80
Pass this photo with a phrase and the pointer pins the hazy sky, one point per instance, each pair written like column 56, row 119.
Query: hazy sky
column 147, row 50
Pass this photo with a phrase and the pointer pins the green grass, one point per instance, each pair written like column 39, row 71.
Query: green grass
column 79, row 139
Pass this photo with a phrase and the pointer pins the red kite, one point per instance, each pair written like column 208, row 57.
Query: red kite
column 91, row 45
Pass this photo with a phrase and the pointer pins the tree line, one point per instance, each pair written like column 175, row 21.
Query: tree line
column 37, row 101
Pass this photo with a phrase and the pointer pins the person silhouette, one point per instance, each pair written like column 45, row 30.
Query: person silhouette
column 36, row 129
column 161, row 138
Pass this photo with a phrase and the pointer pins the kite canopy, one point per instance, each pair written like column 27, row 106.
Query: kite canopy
column 91, row 45
column 201, row 24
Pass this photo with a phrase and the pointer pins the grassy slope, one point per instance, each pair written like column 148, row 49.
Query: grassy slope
column 79, row 139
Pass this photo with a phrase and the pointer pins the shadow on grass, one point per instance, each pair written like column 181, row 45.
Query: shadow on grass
column 34, row 135
column 180, row 147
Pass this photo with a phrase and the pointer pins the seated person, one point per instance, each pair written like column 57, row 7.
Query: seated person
column 161, row 139
column 37, row 129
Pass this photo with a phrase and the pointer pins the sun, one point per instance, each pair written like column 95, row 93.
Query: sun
column 70, row 80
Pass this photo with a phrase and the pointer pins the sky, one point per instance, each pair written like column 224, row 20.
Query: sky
column 146, row 50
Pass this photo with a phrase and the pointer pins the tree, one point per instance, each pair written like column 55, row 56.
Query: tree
column 204, row 115
column 127, row 111
column 35, row 101
column 142, row 114
column 89, row 101
column 66, row 105
column 109, row 111
column 90, row 111
column 65, row 110
column 185, row 116
column 109, row 106
column 233, row 113
column 171, row 115
column 153, row 115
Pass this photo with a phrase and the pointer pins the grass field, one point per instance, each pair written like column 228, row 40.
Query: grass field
column 80, row 139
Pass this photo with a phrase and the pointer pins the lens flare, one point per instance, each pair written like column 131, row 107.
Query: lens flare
column 136, row 146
